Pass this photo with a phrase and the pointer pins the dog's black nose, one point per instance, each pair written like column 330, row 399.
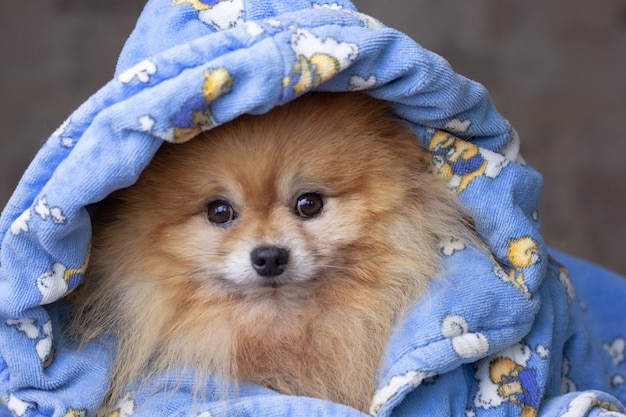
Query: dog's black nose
column 269, row 261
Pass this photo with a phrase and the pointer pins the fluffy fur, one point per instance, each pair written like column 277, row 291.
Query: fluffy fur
column 180, row 290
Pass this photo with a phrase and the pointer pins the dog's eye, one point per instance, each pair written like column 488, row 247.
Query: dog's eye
column 309, row 205
column 220, row 212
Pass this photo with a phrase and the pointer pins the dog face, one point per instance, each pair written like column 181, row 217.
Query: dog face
column 275, row 205
column 275, row 249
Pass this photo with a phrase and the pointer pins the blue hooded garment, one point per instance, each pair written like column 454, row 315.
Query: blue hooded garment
column 531, row 332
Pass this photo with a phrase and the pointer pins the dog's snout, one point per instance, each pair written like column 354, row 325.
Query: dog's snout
column 269, row 261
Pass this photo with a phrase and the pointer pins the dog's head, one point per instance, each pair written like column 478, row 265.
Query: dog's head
column 317, row 220
column 325, row 189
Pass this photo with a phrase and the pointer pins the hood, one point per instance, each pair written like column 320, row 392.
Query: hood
column 191, row 65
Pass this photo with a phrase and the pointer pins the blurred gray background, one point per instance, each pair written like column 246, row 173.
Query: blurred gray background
column 556, row 69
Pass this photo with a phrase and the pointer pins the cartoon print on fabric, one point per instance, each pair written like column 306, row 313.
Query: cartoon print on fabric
column 562, row 275
column 410, row 380
column 195, row 114
column 43, row 335
column 616, row 349
column 54, row 214
column 124, row 407
column 219, row 14
column 20, row 225
column 366, row 20
column 581, row 404
column 332, row 6
column 141, row 72
column 522, row 253
column 567, row 384
column 448, row 245
column 17, row 406
column 317, row 60
column 617, row 380
column 506, row 378
column 254, row 29
column 56, row 282
column 458, row 126
column 75, row 413
column 358, row 83
column 465, row 343
column 61, row 134
column 461, row 162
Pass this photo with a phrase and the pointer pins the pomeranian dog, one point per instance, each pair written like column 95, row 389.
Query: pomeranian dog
column 278, row 249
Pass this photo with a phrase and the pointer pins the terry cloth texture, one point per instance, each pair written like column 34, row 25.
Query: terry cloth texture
column 516, row 336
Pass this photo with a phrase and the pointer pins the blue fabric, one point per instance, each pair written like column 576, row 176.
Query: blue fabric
column 4, row 412
column 510, row 336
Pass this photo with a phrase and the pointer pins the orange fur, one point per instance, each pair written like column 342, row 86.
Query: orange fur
column 179, row 291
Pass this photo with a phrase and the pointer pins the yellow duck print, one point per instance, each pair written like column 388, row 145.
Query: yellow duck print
column 309, row 73
column 516, row 384
column 195, row 116
column 522, row 253
column 452, row 157
column 461, row 162
column 74, row 413
column 317, row 61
